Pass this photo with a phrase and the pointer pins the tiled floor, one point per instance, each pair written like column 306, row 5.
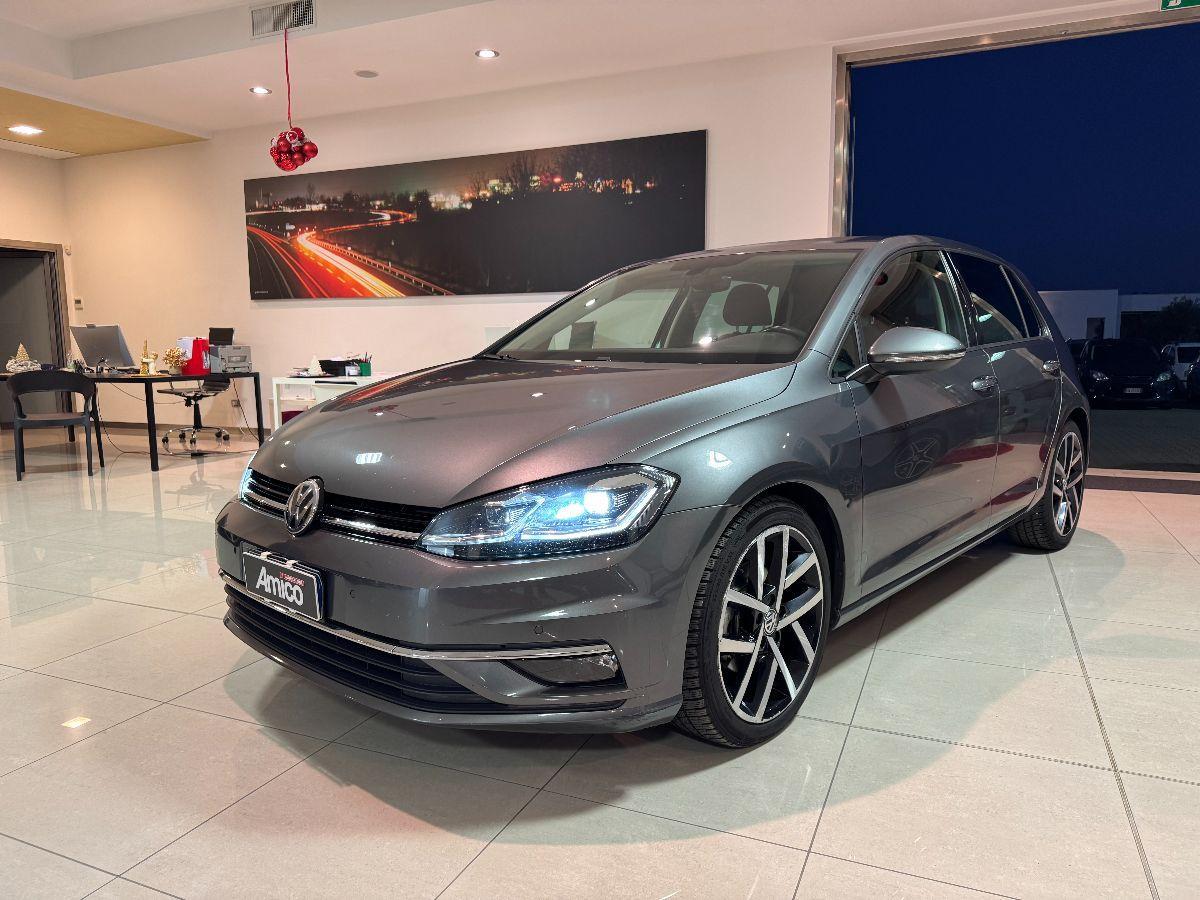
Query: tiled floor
column 1017, row 724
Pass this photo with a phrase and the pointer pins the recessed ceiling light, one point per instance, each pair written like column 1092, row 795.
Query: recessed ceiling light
column 366, row 73
column 487, row 53
column 259, row 89
column 29, row 130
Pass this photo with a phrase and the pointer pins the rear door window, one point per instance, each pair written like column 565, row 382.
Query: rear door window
column 1035, row 325
column 993, row 303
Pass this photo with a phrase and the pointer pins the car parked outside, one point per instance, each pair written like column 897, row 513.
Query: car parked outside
column 652, row 502
column 1126, row 371
column 1180, row 357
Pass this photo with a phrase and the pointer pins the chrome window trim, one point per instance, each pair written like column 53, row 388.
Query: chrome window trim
column 413, row 653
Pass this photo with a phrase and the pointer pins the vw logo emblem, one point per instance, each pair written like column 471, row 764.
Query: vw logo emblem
column 303, row 505
column 772, row 622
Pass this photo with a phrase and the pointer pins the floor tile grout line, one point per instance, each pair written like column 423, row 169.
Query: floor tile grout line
column 13, row 837
column 536, row 793
column 1139, row 624
column 1112, row 757
column 131, row 881
column 812, row 841
column 968, row 746
column 229, row 806
column 1170, row 778
column 81, row 741
column 1162, row 524
column 110, row 641
column 980, row 662
column 88, row 684
column 953, row 884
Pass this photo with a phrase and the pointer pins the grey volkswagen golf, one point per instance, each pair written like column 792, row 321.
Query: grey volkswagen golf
column 652, row 502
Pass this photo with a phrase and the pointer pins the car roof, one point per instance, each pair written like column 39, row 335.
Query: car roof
column 855, row 242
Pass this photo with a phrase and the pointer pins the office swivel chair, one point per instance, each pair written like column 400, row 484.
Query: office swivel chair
column 209, row 387
column 24, row 383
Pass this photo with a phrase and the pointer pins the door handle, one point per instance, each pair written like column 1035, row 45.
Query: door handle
column 985, row 384
column 1052, row 367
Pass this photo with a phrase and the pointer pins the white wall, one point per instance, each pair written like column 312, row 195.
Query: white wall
column 33, row 207
column 159, row 237
column 1071, row 310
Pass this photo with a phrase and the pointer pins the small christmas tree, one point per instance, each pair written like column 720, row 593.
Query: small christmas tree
column 21, row 362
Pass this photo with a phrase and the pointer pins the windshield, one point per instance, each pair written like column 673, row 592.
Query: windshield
column 1127, row 355
column 739, row 307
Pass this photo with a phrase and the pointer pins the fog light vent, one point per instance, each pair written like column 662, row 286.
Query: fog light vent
column 591, row 669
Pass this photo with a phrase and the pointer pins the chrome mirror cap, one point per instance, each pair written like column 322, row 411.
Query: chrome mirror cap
column 909, row 349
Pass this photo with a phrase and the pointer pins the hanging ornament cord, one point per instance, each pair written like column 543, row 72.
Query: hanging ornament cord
column 287, row 76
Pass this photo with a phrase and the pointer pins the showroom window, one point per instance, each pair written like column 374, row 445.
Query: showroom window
column 993, row 304
column 914, row 290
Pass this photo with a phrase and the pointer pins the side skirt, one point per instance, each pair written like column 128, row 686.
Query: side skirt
column 860, row 606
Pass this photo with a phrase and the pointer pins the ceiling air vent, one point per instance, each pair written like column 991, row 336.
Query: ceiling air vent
column 272, row 19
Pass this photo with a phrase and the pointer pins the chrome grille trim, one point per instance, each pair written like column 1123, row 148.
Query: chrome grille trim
column 412, row 652
column 255, row 498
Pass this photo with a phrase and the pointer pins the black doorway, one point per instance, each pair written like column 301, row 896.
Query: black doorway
column 32, row 312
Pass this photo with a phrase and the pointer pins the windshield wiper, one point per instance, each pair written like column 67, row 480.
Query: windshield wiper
column 494, row 356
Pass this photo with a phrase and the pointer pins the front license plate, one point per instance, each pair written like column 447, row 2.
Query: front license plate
column 1133, row 390
column 283, row 583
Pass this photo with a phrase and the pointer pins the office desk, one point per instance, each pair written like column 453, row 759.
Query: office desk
column 149, row 381
column 322, row 386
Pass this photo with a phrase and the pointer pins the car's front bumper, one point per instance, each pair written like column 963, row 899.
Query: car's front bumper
column 1116, row 391
column 439, row 640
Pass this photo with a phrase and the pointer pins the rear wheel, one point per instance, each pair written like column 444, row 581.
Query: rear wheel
column 758, row 627
column 1051, row 523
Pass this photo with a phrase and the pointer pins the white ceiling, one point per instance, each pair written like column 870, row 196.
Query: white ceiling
column 79, row 18
column 194, row 73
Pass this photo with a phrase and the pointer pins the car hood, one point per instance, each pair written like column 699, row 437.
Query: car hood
column 443, row 435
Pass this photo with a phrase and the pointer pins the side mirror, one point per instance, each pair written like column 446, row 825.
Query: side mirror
column 907, row 349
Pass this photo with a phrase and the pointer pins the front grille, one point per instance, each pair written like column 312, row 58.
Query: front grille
column 396, row 679
column 388, row 523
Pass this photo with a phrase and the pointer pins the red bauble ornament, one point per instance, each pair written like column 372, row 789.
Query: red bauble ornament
column 290, row 149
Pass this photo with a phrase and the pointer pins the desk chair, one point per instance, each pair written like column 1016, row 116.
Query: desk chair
column 42, row 382
column 209, row 387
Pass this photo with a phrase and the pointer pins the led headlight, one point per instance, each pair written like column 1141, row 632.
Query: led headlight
column 1164, row 376
column 592, row 510
column 244, row 484
column 1099, row 376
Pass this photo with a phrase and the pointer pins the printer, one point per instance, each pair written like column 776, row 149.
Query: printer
column 224, row 356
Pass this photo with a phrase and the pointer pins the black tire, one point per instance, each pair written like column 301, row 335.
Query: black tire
column 708, row 709
column 1042, row 527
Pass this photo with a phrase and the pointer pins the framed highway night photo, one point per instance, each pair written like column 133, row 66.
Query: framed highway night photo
column 505, row 223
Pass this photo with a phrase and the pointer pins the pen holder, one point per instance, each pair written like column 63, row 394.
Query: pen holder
column 364, row 367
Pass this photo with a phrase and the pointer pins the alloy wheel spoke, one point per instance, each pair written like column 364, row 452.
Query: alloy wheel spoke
column 781, row 578
column 761, row 574
column 783, row 667
column 735, row 596
column 748, row 675
column 800, row 606
column 799, row 568
column 734, row 645
column 766, row 691
column 809, row 652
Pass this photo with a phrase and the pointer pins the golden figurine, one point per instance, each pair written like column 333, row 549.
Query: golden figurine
column 148, row 360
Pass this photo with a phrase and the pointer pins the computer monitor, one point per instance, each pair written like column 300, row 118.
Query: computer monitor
column 102, row 342
column 220, row 337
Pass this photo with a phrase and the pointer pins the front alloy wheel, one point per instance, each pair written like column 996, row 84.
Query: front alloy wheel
column 758, row 627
